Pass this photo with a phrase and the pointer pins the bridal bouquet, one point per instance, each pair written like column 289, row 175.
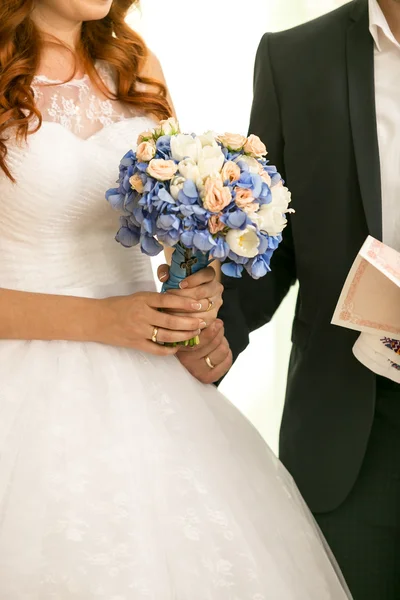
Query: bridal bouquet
column 210, row 197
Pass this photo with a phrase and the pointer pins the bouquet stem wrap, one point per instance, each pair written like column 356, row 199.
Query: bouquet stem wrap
column 185, row 262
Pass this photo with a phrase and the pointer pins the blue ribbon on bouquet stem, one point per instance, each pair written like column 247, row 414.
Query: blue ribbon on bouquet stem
column 185, row 262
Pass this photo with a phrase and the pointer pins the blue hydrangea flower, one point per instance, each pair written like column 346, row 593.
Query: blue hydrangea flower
column 189, row 194
column 235, row 219
column 150, row 245
column 203, row 241
column 220, row 250
column 163, row 147
column 232, row 270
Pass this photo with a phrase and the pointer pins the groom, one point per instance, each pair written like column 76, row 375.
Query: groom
column 327, row 105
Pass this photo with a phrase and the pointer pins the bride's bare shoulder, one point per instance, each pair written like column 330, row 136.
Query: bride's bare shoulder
column 152, row 68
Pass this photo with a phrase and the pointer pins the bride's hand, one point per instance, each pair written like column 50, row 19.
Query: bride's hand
column 132, row 321
column 203, row 286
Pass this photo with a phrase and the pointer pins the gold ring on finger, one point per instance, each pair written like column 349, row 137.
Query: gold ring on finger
column 154, row 336
column 210, row 304
column 209, row 363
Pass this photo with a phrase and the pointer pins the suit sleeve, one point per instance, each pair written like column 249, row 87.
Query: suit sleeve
column 248, row 303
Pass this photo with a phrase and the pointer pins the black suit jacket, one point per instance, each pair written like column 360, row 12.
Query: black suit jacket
column 314, row 107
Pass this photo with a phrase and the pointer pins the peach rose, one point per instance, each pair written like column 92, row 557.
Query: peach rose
column 243, row 197
column 216, row 196
column 215, row 224
column 145, row 137
column 232, row 141
column 136, row 183
column 161, row 169
column 146, row 151
column 254, row 147
column 230, row 171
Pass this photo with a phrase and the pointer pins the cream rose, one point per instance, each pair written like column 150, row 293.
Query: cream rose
column 185, row 146
column 210, row 161
column 232, row 141
column 176, row 186
column 215, row 196
column 243, row 197
column 230, row 172
column 189, row 169
column 254, row 147
column 136, row 183
column 145, row 137
column 146, row 151
column 169, row 126
column 215, row 225
column 243, row 242
column 161, row 169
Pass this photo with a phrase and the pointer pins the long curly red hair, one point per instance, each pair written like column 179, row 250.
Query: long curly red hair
column 109, row 39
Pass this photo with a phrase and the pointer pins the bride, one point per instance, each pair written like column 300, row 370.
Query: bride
column 121, row 476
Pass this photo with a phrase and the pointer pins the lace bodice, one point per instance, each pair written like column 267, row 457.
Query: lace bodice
column 56, row 228
column 78, row 105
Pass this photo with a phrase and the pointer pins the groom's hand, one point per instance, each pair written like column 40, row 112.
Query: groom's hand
column 212, row 358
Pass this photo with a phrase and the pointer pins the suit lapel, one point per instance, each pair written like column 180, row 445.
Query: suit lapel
column 360, row 69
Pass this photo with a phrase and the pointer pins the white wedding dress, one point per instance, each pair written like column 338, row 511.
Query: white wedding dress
column 121, row 477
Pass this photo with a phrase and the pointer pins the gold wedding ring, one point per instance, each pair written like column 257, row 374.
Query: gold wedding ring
column 210, row 305
column 209, row 363
column 154, row 336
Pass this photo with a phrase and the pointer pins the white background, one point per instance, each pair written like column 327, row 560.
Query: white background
column 207, row 50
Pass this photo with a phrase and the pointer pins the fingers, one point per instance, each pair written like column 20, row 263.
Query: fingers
column 158, row 350
column 173, row 302
column 220, row 370
column 213, row 306
column 209, row 290
column 214, row 346
column 208, row 311
column 200, row 278
column 210, row 339
column 220, row 353
column 171, row 336
column 175, row 323
column 163, row 273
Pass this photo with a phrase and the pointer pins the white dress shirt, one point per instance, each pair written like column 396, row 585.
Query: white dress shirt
column 387, row 99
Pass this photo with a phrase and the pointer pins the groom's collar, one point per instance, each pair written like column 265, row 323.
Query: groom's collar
column 379, row 26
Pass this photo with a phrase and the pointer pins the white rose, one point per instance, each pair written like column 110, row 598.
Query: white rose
column 169, row 126
column 189, row 169
column 281, row 197
column 185, row 146
column 176, row 186
column 243, row 242
column 208, row 139
column 270, row 219
column 210, row 161
column 252, row 163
